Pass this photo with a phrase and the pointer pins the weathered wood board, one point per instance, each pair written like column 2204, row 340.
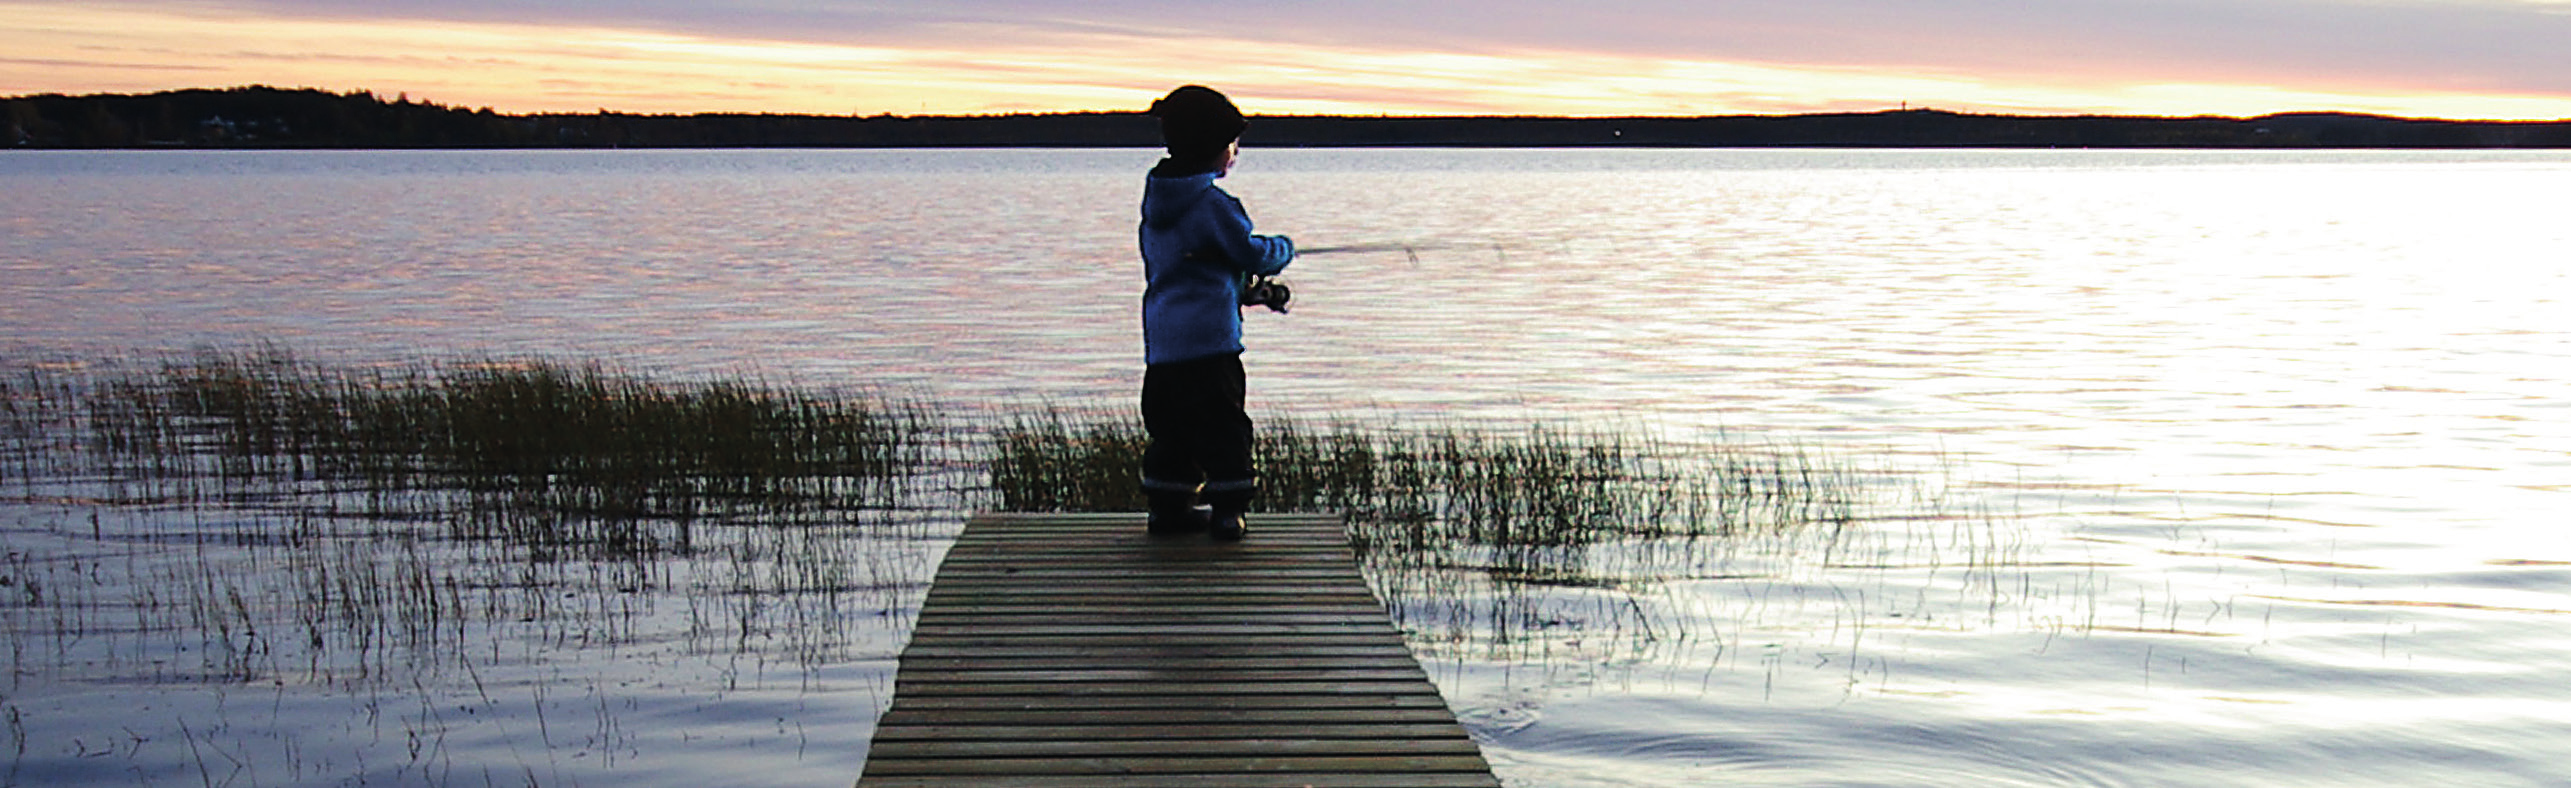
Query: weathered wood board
column 1071, row 651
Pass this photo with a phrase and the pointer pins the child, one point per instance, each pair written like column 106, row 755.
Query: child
column 1197, row 248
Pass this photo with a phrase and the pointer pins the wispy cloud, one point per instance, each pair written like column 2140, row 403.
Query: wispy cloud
column 2487, row 44
column 2482, row 58
column 97, row 65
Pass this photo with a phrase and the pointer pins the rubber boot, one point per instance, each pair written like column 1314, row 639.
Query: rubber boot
column 1175, row 514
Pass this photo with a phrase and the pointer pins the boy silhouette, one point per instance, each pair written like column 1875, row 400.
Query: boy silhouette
column 1197, row 251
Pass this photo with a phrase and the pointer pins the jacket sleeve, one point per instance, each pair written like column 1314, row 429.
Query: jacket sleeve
column 1258, row 255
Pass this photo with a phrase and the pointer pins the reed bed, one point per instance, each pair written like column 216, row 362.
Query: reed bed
column 374, row 525
column 550, row 442
column 248, row 517
column 1509, row 542
column 1045, row 462
column 379, row 511
column 1537, row 486
column 533, row 452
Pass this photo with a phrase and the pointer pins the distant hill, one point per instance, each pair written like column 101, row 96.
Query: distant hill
column 266, row 117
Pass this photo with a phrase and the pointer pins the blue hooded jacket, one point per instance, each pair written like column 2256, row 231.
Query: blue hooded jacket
column 1197, row 247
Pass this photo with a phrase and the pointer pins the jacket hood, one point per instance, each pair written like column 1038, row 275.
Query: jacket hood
column 1168, row 198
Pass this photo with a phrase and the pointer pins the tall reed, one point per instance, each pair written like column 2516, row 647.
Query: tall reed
column 531, row 451
column 1540, row 485
column 1042, row 462
column 359, row 520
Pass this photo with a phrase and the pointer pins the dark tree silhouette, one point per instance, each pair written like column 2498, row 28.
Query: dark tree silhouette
column 268, row 117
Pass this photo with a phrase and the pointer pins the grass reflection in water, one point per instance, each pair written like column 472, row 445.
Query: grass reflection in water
column 423, row 556
column 445, row 542
column 1490, row 540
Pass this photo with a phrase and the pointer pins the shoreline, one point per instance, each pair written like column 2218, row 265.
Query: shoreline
column 259, row 117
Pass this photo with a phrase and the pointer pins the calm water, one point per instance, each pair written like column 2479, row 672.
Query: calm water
column 2248, row 468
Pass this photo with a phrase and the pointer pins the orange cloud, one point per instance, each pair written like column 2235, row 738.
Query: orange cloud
column 528, row 67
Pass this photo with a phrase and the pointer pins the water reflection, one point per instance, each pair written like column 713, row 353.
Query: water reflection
column 2264, row 448
column 297, row 598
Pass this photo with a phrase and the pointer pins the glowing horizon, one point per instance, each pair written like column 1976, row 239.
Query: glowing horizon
column 987, row 67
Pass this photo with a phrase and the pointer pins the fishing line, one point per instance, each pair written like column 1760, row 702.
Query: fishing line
column 1410, row 250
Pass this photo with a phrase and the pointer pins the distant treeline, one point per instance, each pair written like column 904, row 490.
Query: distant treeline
column 265, row 117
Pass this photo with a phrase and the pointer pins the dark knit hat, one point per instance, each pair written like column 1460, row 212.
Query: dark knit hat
column 1197, row 121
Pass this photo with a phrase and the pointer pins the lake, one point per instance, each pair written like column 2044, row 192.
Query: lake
column 2227, row 467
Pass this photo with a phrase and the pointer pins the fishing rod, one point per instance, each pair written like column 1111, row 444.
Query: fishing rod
column 1274, row 294
column 1411, row 250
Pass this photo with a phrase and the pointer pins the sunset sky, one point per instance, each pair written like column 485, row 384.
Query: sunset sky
column 2422, row 58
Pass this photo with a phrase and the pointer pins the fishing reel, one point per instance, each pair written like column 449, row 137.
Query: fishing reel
column 1267, row 292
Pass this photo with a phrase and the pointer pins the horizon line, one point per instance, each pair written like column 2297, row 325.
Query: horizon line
column 404, row 96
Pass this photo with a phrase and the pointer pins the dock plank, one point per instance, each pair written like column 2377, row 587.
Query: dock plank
column 1073, row 651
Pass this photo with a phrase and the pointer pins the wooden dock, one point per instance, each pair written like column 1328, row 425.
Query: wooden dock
column 1073, row 651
